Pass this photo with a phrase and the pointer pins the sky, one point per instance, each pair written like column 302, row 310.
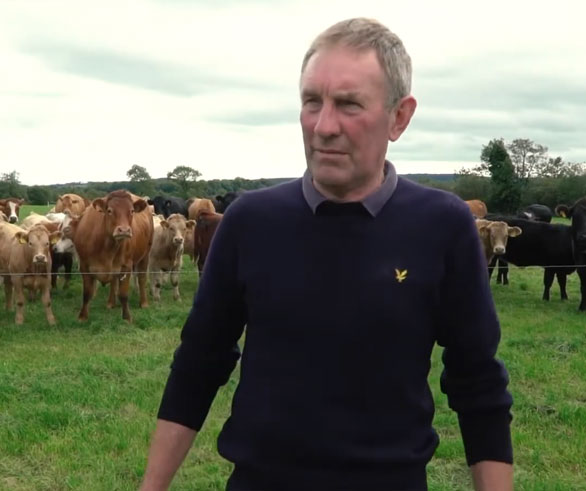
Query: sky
column 88, row 89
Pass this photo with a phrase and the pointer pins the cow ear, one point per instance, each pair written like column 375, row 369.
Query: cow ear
column 22, row 237
column 164, row 223
column 99, row 204
column 514, row 231
column 55, row 237
column 190, row 223
column 86, row 202
column 139, row 205
column 564, row 211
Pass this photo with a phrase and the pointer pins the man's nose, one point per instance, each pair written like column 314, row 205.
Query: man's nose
column 327, row 122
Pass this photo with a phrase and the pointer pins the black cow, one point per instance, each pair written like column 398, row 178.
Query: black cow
column 577, row 213
column 222, row 202
column 540, row 244
column 539, row 213
column 166, row 206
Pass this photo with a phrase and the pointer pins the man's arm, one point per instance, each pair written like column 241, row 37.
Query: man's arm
column 492, row 476
column 170, row 444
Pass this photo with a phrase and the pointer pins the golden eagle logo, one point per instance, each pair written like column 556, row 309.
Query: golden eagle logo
column 400, row 275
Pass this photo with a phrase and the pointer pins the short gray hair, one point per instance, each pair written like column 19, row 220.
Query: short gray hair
column 364, row 34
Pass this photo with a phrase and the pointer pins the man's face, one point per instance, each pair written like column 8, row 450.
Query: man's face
column 346, row 126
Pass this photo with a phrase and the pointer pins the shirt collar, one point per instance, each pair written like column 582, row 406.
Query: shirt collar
column 373, row 203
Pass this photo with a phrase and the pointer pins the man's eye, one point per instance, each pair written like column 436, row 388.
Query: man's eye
column 311, row 103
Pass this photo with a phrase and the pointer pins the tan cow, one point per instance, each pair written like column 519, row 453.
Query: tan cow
column 112, row 238
column 72, row 202
column 167, row 252
column 477, row 207
column 494, row 236
column 25, row 258
column 200, row 205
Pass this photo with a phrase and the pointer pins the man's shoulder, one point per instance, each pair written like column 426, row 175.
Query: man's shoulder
column 273, row 198
column 426, row 199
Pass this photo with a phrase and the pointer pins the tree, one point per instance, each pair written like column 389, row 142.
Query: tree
column 38, row 195
column 527, row 157
column 138, row 173
column 142, row 180
column 505, row 193
column 10, row 185
column 185, row 177
column 558, row 168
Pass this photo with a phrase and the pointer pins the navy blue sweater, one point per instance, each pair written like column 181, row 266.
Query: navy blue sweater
column 342, row 311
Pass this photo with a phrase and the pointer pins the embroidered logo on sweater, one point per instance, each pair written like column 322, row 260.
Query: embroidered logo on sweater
column 400, row 275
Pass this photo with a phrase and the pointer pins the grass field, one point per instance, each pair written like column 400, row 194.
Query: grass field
column 78, row 401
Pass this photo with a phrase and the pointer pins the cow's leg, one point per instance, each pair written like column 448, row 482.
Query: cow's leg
column 8, row 292
column 19, row 294
column 562, row 278
column 491, row 266
column 68, row 263
column 156, row 280
column 46, row 299
column 56, row 261
column 113, row 291
column 582, row 274
column 175, row 281
column 142, row 267
column 89, row 286
column 123, row 290
column 548, row 275
column 503, row 273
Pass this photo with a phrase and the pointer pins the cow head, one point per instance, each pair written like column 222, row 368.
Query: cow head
column 496, row 234
column 71, row 202
column 577, row 213
column 176, row 227
column 11, row 208
column 158, row 202
column 67, row 227
column 118, row 210
column 38, row 241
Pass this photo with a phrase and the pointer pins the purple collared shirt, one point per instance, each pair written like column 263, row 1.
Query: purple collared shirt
column 373, row 203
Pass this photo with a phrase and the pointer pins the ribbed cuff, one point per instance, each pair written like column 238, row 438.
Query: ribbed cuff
column 487, row 436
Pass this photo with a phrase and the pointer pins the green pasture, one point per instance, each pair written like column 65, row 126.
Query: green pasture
column 78, row 401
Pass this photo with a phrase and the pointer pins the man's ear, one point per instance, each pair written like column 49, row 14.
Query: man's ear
column 403, row 111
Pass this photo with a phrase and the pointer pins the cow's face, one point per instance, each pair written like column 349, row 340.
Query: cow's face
column 11, row 208
column 176, row 228
column 118, row 212
column 498, row 233
column 67, row 227
column 38, row 241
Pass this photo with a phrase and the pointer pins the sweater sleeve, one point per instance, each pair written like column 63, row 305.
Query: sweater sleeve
column 208, row 351
column 474, row 380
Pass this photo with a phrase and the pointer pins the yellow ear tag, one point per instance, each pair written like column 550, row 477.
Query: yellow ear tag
column 562, row 214
column 22, row 240
column 54, row 240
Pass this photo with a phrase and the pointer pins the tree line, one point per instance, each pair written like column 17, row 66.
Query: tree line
column 182, row 181
column 509, row 176
column 515, row 174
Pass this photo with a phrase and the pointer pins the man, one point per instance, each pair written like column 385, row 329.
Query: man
column 344, row 279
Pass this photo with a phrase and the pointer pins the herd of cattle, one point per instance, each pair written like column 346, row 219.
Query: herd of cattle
column 114, row 238
column 530, row 239
column 121, row 236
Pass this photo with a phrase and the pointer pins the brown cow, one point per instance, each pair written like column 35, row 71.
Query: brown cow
column 113, row 237
column 494, row 236
column 477, row 207
column 72, row 202
column 25, row 256
column 200, row 205
column 206, row 224
column 167, row 252
column 11, row 208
